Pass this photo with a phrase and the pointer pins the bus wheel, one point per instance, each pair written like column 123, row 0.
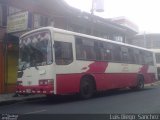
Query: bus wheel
column 86, row 88
column 140, row 83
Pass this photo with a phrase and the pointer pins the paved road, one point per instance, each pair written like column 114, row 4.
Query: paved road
column 126, row 101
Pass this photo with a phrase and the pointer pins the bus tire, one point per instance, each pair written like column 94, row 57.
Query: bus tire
column 87, row 88
column 140, row 82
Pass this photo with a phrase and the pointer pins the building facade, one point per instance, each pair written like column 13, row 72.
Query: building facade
column 20, row 16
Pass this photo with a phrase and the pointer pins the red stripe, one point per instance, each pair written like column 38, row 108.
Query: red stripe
column 99, row 67
column 70, row 83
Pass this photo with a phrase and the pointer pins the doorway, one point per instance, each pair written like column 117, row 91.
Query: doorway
column 11, row 63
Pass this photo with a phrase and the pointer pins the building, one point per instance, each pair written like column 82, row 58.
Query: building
column 20, row 16
column 125, row 22
column 146, row 40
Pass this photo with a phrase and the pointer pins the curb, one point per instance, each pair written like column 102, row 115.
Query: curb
column 153, row 84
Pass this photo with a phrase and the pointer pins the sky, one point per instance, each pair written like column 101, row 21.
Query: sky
column 144, row 13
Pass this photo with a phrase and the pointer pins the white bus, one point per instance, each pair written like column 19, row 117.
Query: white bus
column 157, row 54
column 58, row 62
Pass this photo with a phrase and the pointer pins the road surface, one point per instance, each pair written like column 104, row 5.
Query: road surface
column 123, row 101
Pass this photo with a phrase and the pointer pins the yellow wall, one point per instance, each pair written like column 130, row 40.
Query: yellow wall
column 12, row 67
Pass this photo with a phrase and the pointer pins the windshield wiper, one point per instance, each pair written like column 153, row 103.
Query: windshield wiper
column 24, row 67
column 36, row 67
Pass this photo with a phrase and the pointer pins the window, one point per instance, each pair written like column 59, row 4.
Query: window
column 35, row 49
column 158, row 57
column 63, row 53
column 40, row 21
column 106, row 51
column 97, row 48
column 36, row 21
column 149, row 58
column 137, row 56
column 131, row 56
column 13, row 10
column 103, row 52
column 142, row 57
column 85, row 49
column 118, row 38
column 124, row 53
column 116, row 53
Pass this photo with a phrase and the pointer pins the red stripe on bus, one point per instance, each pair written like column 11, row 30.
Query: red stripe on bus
column 99, row 67
column 70, row 83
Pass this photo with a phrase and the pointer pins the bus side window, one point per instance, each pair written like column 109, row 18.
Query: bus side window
column 157, row 57
column 97, row 50
column 107, row 49
column 85, row 49
column 63, row 53
column 116, row 53
column 89, row 48
column 142, row 57
column 80, row 49
column 137, row 56
column 149, row 58
column 131, row 56
column 124, row 53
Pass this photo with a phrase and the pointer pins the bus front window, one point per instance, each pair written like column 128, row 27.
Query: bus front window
column 35, row 50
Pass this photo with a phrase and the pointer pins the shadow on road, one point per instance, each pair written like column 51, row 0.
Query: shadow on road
column 75, row 98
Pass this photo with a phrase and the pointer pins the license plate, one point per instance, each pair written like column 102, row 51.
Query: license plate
column 28, row 90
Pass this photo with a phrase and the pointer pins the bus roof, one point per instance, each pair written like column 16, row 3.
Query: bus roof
column 155, row 50
column 83, row 35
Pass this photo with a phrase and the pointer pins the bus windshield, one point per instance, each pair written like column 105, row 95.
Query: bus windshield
column 35, row 50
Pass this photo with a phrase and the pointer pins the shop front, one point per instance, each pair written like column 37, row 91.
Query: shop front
column 17, row 24
column 11, row 63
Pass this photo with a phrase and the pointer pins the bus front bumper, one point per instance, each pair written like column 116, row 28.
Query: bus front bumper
column 36, row 89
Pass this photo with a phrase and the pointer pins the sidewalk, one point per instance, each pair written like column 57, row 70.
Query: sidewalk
column 154, row 84
column 9, row 99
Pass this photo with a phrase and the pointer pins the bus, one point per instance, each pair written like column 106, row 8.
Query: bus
column 157, row 55
column 53, row 61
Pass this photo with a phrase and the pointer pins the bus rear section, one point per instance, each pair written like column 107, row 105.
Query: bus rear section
column 35, row 70
column 92, row 64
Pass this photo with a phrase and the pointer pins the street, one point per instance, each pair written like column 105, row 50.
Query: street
column 122, row 101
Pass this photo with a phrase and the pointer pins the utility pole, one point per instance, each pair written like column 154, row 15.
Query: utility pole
column 92, row 18
column 98, row 6
column 144, row 39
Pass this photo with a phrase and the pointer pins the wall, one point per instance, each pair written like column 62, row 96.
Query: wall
column 2, row 34
column 11, row 63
